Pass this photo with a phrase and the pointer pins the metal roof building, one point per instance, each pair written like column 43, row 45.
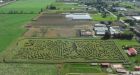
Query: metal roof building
column 79, row 16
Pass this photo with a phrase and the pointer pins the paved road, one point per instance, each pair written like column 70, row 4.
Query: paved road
column 116, row 17
column 3, row 4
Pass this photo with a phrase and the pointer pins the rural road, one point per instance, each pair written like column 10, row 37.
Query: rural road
column 6, row 3
column 116, row 16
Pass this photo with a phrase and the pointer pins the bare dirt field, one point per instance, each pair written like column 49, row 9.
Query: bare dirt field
column 56, row 26
column 57, row 20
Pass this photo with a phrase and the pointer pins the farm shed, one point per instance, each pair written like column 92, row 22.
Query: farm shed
column 100, row 29
column 137, row 68
column 79, row 16
column 132, row 51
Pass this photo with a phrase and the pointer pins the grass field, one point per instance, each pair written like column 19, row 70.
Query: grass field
column 120, row 43
column 11, row 27
column 80, row 68
column 26, row 6
column 27, row 69
column 98, row 17
column 132, row 43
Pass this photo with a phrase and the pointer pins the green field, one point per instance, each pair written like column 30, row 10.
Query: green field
column 64, row 7
column 26, row 6
column 80, row 68
column 27, row 69
column 98, row 17
column 11, row 27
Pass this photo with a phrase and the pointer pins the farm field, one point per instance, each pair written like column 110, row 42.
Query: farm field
column 27, row 69
column 11, row 27
column 98, row 17
column 80, row 68
column 65, row 50
column 26, row 6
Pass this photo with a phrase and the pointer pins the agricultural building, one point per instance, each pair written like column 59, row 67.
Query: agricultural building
column 137, row 68
column 105, row 65
column 78, row 16
column 132, row 51
column 100, row 29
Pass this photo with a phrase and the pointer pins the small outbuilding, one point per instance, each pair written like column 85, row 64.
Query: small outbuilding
column 132, row 51
column 79, row 16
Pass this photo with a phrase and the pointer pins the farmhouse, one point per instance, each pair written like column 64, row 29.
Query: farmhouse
column 132, row 51
column 78, row 16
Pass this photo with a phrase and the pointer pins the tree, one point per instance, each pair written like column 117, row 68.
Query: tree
column 107, row 35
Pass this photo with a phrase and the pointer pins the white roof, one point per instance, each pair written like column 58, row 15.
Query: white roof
column 79, row 16
column 136, row 17
column 101, row 28
column 99, row 25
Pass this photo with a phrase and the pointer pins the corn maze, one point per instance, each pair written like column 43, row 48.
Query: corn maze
column 68, row 50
